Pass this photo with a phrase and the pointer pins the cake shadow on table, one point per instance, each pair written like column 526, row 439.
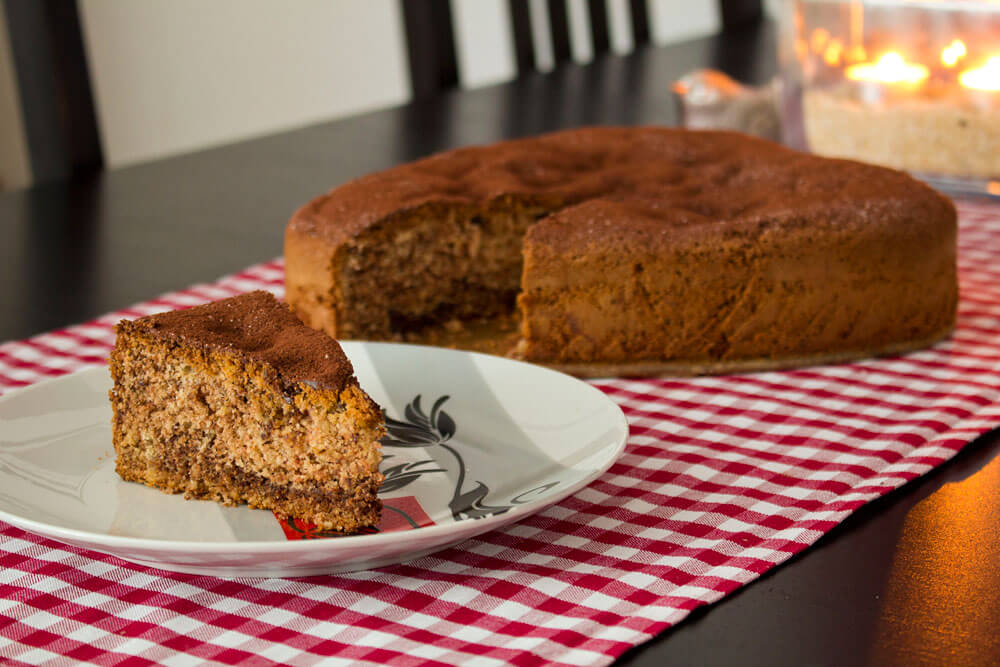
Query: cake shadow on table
column 501, row 336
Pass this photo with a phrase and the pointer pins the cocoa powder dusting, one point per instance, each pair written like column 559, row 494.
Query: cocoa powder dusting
column 651, row 177
column 257, row 327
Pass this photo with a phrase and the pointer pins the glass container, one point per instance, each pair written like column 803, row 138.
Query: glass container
column 909, row 84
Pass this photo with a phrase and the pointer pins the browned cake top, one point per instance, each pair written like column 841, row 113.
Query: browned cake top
column 653, row 178
column 258, row 327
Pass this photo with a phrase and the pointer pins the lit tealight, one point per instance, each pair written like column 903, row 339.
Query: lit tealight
column 856, row 54
column 951, row 54
column 818, row 39
column 890, row 68
column 833, row 52
column 986, row 77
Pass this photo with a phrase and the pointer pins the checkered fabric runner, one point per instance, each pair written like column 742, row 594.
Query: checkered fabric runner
column 723, row 478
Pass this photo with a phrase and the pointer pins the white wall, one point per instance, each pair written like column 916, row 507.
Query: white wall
column 485, row 52
column 484, row 40
column 15, row 171
column 676, row 20
column 177, row 75
column 172, row 76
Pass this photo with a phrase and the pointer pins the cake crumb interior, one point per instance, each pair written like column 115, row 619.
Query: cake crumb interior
column 435, row 271
column 212, row 426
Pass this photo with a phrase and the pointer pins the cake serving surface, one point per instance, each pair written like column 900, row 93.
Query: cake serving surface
column 623, row 246
column 238, row 401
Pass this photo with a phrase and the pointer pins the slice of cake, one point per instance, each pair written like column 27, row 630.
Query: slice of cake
column 237, row 401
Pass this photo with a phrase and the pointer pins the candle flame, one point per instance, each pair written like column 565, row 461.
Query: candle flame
column 890, row 68
column 856, row 54
column 818, row 39
column 833, row 52
column 986, row 77
column 952, row 53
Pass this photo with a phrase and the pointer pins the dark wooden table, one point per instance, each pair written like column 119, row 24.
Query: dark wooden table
column 912, row 578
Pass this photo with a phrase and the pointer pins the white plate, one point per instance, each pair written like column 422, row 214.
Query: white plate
column 476, row 442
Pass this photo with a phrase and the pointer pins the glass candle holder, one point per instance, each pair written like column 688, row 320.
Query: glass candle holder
column 909, row 84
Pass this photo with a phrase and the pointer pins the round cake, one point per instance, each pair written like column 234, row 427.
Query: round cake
column 631, row 250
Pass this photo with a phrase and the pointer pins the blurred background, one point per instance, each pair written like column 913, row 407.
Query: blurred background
column 161, row 77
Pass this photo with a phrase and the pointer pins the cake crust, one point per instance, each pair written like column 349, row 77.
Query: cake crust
column 255, row 327
column 681, row 179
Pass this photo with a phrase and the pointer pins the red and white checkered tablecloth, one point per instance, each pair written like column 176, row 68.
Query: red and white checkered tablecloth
column 723, row 479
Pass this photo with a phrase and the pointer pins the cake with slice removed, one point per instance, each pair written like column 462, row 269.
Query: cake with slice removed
column 632, row 251
column 237, row 401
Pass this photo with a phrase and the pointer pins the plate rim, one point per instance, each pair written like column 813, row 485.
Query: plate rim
column 102, row 540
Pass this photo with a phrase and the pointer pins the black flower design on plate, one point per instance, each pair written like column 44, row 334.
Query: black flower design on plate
column 401, row 474
column 435, row 430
